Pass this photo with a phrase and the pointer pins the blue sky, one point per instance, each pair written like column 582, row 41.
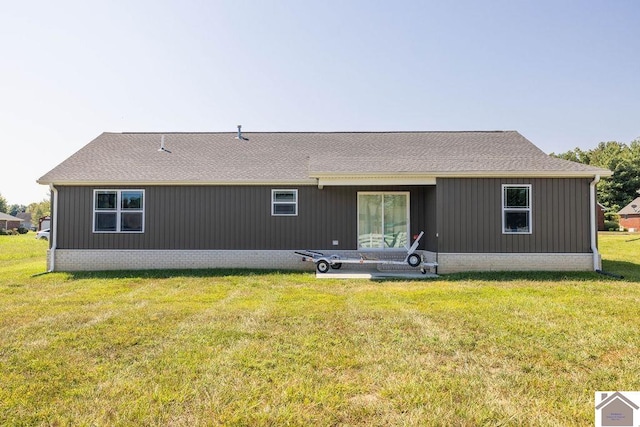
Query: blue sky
column 562, row 73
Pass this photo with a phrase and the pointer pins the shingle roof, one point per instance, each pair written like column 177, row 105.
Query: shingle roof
column 632, row 208
column 272, row 157
column 7, row 217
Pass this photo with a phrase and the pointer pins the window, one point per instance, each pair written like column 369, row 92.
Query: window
column 118, row 211
column 516, row 209
column 284, row 202
column 383, row 220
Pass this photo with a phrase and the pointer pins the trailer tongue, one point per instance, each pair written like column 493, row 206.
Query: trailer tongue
column 326, row 261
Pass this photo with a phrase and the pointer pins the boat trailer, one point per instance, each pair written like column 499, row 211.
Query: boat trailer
column 324, row 262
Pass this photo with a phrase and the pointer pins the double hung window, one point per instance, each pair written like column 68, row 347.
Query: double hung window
column 284, row 202
column 516, row 209
column 118, row 211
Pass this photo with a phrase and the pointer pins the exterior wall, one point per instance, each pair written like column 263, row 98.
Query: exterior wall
column 600, row 216
column 10, row 225
column 631, row 221
column 469, row 216
column 232, row 226
column 456, row 263
column 236, row 218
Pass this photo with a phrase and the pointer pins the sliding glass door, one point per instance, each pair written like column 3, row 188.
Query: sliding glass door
column 383, row 220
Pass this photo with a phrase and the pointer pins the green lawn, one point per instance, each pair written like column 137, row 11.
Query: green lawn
column 240, row 348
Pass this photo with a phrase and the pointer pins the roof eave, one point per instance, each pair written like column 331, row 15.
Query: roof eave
column 426, row 177
column 85, row 183
column 467, row 174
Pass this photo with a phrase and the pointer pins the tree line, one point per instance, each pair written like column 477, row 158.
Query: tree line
column 623, row 160
column 37, row 209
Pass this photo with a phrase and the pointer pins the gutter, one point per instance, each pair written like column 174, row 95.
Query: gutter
column 594, row 225
column 54, row 229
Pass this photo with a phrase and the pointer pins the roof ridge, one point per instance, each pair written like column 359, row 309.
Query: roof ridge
column 311, row 132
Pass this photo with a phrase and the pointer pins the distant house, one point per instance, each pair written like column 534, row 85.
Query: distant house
column 9, row 222
column 630, row 215
column 26, row 219
column 485, row 200
column 600, row 213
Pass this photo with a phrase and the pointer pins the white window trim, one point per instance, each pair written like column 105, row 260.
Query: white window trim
column 118, row 211
column 383, row 193
column 527, row 209
column 274, row 202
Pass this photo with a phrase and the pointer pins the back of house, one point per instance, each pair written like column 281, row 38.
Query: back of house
column 485, row 200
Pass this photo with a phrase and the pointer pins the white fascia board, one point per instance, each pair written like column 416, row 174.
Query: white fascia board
column 376, row 180
column 180, row 183
column 430, row 178
column 525, row 174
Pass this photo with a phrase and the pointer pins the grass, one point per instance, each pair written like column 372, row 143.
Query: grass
column 270, row 348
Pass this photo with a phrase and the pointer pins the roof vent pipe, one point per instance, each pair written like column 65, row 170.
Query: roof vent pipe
column 240, row 134
column 162, row 145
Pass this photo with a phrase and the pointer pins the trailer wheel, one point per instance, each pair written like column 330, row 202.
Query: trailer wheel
column 336, row 265
column 414, row 260
column 322, row 266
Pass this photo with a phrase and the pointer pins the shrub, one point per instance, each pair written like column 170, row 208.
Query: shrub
column 611, row 226
column 3, row 232
column 611, row 216
column 22, row 230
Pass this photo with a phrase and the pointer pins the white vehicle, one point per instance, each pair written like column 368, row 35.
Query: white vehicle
column 43, row 234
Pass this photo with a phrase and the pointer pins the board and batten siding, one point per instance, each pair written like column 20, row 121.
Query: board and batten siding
column 469, row 216
column 235, row 217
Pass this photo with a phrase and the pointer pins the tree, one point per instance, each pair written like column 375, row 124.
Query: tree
column 39, row 209
column 623, row 160
column 3, row 204
column 16, row 209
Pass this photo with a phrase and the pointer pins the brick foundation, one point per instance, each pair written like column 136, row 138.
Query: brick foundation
column 455, row 263
column 94, row 260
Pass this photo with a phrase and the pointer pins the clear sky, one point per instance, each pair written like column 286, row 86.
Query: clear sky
column 563, row 73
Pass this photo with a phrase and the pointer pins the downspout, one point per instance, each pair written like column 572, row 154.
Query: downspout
column 594, row 225
column 54, row 229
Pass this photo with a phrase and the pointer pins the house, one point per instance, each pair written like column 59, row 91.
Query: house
column 485, row 200
column 601, row 210
column 26, row 219
column 630, row 216
column 9, row 222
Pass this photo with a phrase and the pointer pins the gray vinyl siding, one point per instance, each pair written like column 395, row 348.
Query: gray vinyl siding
column 235, row 217
column 469, row 216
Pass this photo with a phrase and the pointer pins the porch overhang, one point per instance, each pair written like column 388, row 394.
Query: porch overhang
column 351, row 180
column 338, row 179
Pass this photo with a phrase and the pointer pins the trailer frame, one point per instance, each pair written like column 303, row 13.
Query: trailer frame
column 325, row 262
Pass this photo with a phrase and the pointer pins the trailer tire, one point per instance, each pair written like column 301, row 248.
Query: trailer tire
column 336, row 265
column 414, row 260
column 322, row 266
